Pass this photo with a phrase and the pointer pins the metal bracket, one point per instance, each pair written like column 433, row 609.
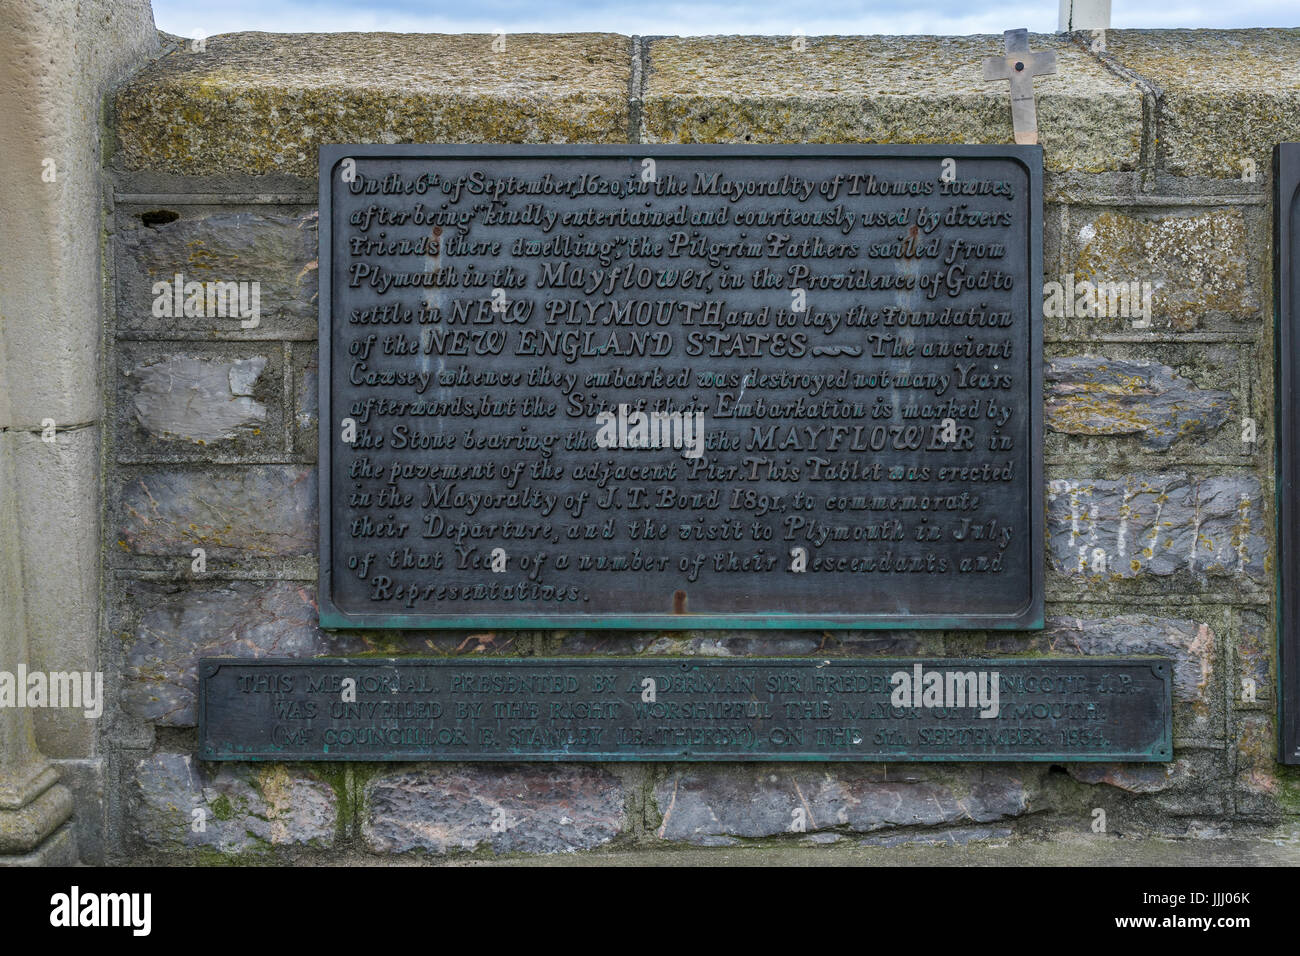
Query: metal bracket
column 1020, row 66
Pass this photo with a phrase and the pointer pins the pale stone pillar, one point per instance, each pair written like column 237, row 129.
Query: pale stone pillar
column 57, row 60
column 1083, row 15
column 32, row 803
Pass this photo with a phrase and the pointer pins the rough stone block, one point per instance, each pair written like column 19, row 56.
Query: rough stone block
column 246, row 808
column 1213, row 118
column 175, row 626
column 1200, row 268
column 1192, row 645
column 874, row 89
column 1191, row 784
column 1132, row 778
column 277, row 252
column 717, row 805
column 511, row 809
column 306, row 401
column 1158, row 525
column 1258, row 788
column 263, row 102
column 1094, row 395
column 235, row 512
column 1255, row 648
column 196, row 399
column 216, row 403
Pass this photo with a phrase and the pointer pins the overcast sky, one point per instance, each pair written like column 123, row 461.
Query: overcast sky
column 695, row 17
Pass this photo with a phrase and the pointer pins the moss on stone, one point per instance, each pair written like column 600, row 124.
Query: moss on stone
column 875, row 89
column 221, row 808
column 1226, row 95
column 262, row 102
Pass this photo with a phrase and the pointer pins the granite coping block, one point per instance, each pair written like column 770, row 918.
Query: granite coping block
column 262, row 103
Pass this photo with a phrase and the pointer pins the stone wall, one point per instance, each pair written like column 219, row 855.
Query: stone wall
column 1158, row 450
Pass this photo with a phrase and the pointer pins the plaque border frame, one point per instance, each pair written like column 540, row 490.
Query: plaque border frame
column 1161, row 750
column 1028, row 617
column 1286, row 450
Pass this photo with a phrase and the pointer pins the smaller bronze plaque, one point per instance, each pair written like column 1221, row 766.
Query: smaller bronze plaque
column 622, row 709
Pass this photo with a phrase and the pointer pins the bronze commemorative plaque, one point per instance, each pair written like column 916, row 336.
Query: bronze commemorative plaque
column 621, row 709
column 681, row 387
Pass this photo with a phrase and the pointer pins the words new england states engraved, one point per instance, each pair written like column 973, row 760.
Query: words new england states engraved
column 681, row 387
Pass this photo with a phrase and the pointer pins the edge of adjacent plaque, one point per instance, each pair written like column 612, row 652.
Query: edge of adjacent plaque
column 1030, row 617
column 1032, row 157
column 1286, row 448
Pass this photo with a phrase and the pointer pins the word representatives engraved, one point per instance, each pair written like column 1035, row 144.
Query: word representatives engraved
column 680, row 387
column 672, row 708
